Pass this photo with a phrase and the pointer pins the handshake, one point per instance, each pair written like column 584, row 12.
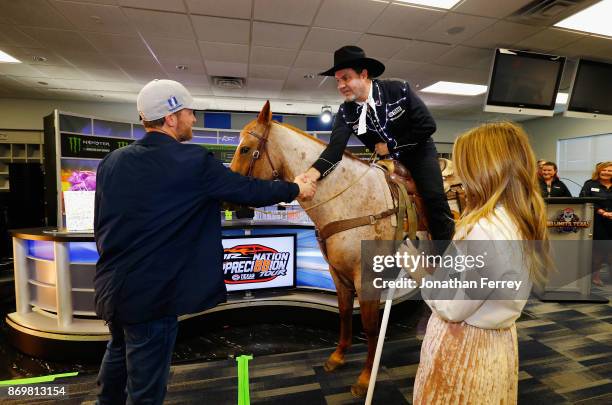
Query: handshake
column 308, row 183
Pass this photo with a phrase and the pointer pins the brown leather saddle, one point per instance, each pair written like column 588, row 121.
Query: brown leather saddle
column 408, row 207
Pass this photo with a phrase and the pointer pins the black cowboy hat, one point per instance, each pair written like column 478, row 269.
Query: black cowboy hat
column 354, row 57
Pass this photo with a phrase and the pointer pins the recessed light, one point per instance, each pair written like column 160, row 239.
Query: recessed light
column 458, row 89
column 445, row 4
column 309, row 76
column 594, row 19
column 43, row 83
column 36, row 58
column 182, row 67
column 562, row 98
column 6, row 58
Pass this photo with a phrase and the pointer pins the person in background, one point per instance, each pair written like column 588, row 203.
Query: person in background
column 550, row 184
column 158, row 233
column 540, row 164
column 470, row 350
column 600, row 185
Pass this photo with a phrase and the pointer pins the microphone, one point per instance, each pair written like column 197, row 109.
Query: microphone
column 572, row 181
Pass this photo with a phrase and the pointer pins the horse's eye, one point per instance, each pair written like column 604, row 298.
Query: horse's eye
column 244, row 149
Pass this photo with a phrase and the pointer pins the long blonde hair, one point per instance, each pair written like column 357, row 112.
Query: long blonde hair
column 598, row 168
column 497, row 166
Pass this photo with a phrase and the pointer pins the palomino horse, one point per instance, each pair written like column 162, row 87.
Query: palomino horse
column 270, row 150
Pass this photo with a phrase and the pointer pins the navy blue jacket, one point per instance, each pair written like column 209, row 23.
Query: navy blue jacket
column 402, row 121
column 158, row 228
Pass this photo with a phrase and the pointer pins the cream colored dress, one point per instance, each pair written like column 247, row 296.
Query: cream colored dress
column 469, row 353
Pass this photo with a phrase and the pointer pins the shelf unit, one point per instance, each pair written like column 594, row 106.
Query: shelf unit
column 18, row 146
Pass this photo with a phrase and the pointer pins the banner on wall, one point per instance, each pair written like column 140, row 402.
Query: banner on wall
column 253, row 263
column 91, row 147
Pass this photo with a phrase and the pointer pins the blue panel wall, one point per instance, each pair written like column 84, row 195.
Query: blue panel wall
column 315, row 124
column 218, row 120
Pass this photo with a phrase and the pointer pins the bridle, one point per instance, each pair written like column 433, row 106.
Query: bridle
column 262, row 150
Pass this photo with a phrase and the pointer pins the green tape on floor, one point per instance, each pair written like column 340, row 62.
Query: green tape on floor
column 43, row 379
column 243, row 380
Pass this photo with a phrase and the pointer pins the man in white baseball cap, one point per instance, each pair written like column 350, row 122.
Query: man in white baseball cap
column 158, row 234
column 167, row 106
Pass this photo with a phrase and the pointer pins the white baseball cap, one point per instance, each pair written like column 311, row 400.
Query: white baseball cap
column 161, row 97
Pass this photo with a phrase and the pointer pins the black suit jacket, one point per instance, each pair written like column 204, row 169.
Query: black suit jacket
column 402, row 121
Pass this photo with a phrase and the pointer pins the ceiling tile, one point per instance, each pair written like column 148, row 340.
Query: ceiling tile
column 20, row 69
column 225, row 8
column 132, row 64
column 35, row 13
column 59, row 39
column 106, row 74
column 405, row 21
column 11, row 36
column 488, row 8
column 174, row 48
column 88, row 60
column 299, row 12
column 591, row 47
column 376, row 46
column 264, row 87
column 502, row 34
column 328, row 40
column 160, row 24
column 278, row 35
column 421, row 51
column 467, row 25
column 222, row 52
column 61, row 72
column 348, row 14
column 268, row 71
column 113, row 44
column 400, row 69
column 94, row 17
column 261, row 55
column 226, row 69
column 316, row 61
column 550, row 38
column 467, row 57
column 162, row 5
column 213, row 29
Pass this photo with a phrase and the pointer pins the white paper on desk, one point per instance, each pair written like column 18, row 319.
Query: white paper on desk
column 79, row 206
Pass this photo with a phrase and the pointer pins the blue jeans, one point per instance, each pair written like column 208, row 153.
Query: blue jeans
column 136, row 364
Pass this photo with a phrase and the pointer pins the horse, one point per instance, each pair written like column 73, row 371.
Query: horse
column 271, row 150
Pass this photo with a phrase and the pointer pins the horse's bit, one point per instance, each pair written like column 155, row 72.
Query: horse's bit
column 261, row 149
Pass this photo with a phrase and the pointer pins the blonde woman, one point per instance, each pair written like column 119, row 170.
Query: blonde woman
column 469, row 353
column 600, row 186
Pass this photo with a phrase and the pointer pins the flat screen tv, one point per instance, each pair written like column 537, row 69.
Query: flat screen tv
column 591, row 91
column 524, row 82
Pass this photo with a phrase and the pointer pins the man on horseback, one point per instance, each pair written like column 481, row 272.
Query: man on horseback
column 391, row 120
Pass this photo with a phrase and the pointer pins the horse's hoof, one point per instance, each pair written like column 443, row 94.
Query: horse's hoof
column 359, row 390
column 332, row 365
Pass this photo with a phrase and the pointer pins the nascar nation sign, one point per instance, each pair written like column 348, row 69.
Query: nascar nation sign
column 254, row 263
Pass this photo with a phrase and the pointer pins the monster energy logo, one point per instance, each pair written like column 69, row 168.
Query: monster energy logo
column 121, row 144
column 75, row 144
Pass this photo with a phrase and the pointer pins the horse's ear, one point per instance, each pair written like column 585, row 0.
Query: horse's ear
column 265, row 115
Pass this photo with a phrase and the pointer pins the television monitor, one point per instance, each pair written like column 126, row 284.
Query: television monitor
column 591, row 91
column 259, row 262
column 523, row 82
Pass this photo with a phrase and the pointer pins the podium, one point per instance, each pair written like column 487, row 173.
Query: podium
column 570, row 229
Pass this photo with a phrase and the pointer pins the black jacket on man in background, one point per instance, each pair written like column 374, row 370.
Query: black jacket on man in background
column 404, row 123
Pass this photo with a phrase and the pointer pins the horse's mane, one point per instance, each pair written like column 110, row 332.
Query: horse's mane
column 309, row 136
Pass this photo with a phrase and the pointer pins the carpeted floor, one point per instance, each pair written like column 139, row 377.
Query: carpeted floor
column 565, row 357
